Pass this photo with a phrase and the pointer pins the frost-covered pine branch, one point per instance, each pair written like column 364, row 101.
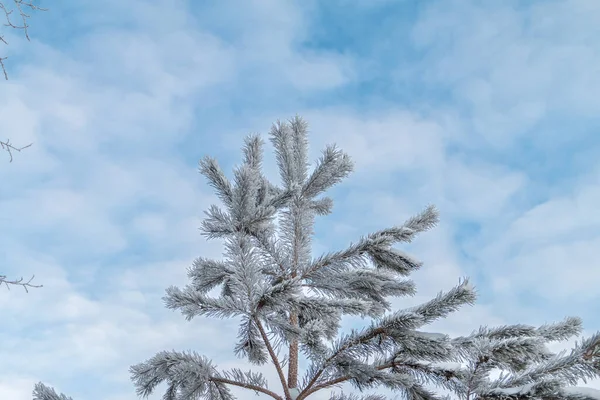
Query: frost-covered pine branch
column 288, row 302
column 43, row 392
column 270, row 282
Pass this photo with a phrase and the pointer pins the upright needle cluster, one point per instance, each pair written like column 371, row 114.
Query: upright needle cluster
column 290, row 303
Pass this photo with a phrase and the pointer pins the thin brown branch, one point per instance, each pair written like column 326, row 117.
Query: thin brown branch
column 305, row 393
column 19, row 4
column 6, row 145
column 248, row 386
column 19, row 282
column 273, row 358
column 307, row 389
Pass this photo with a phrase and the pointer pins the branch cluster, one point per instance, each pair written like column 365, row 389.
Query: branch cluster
column 20, row 6
column 288, row 301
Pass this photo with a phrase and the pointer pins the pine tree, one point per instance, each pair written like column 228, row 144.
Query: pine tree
column 287, row 301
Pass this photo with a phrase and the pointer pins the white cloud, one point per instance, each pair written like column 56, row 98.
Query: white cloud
column 104, row 207
column 557, row 240
column 512, row 65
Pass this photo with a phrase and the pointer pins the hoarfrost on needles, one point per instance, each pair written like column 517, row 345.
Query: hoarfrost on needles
column 267, row 273
column 432, row 335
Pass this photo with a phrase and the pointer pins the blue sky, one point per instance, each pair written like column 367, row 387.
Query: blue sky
column 488, row 110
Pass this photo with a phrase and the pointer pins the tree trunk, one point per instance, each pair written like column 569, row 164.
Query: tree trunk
column 293, row 357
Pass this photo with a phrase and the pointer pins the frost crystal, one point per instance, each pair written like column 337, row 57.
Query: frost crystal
column 289, row 305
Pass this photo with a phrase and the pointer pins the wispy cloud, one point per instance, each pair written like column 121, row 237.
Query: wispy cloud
column 489, row 112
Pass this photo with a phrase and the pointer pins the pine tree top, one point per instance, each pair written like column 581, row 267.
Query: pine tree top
column 288, row 301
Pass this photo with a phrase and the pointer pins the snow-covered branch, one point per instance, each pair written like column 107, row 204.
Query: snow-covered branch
column 286, row 300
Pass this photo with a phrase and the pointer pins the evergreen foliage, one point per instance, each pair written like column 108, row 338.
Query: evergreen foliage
column 288, row 302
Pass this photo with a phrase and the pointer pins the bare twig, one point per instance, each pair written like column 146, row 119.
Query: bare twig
column 18, row 282
column 19, row 5
column 9, row 147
